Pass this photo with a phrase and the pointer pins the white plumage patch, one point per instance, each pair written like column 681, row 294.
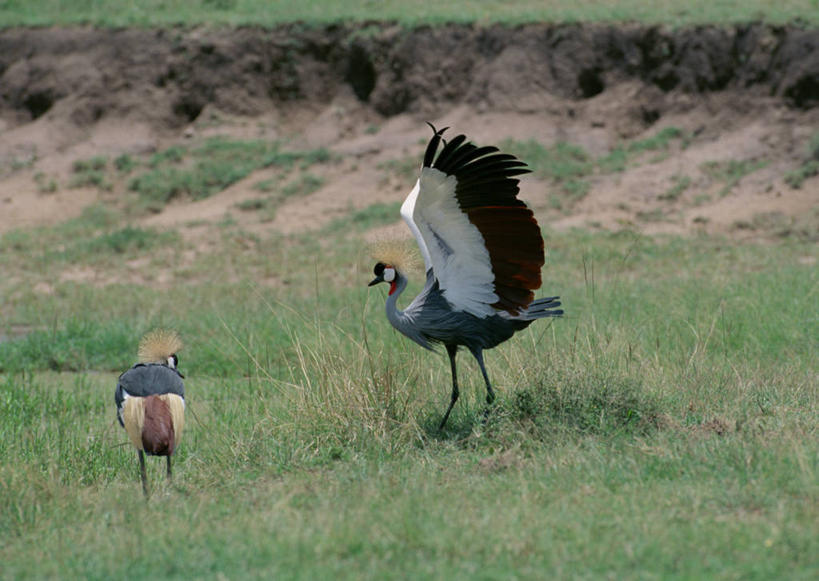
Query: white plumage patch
column 450, row 244
column 389, row 274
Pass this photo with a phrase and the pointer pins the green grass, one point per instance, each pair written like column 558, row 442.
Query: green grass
column 371, row 217
column 797, row 177
column 269, row 13
column 405, row 169
column 565, row 164
column 730, row 172
column 304, row 184
column 570, row 167
column 90, row 173
column 200, row 171
column 676, row 401
column 681, row 183
column 809, row 167
column 45, row 184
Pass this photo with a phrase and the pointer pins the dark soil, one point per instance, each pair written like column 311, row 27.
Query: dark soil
column 168, row 76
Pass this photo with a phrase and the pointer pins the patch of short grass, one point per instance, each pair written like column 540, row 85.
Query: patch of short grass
column 797, row 177
column 809, row 167
column 565, row 164
column 405, row 169
column 252, row 205
column 680, row 184
column 129, row 238
column 45, row 184
column 730, row 172
column 125, row 163
column 372, row 216
column 660, row 141
column 268, row 185
column 280, row 188
column 622, row 154
column 90, row 173
column 570, row 167
column 304, row 185
column 199, row 172
column 276, row 12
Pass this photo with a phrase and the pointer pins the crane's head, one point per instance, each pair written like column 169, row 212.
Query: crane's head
column 385, row 273
column 395, row 259
column 160, row 346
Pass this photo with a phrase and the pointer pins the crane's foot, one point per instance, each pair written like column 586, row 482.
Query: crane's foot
column 486, row 412
column 490, row 399
column 452, row 401
column 446, row 417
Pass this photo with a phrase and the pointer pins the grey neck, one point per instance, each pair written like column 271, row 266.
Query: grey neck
column 395, row 316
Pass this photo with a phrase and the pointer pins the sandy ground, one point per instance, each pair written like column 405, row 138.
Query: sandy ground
column 44, row 151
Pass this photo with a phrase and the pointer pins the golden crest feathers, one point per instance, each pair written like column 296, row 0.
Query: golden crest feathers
column 158, row 345
column 400, row 253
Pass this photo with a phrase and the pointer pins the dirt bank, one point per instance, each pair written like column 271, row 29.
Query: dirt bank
column 747, row 94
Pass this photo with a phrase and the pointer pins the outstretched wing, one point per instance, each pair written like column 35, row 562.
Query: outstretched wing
column 482, row 243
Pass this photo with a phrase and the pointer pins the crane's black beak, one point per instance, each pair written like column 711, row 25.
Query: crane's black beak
column 376, row 280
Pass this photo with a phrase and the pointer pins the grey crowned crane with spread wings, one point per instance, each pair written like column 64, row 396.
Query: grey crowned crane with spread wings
column 482, row 251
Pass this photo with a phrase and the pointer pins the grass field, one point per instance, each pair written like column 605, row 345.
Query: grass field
column 269, row 13
column 665, row 428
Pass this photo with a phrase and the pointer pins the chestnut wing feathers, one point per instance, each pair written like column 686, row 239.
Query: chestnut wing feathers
column 500, row 267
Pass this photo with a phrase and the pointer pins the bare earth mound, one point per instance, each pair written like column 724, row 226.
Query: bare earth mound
column 742, row 102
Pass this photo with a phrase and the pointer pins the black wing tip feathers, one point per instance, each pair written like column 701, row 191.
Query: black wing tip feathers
column 437, row 131
column 459, row 155
column 432, row 147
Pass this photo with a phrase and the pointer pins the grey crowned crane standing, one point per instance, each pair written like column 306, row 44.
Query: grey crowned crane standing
column 482, row 251
column 150, row 400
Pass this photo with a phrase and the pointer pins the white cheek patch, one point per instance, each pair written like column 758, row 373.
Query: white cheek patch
column 389, row 274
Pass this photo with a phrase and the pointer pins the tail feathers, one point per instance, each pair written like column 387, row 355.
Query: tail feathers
column 154, row 423
column 545, row 307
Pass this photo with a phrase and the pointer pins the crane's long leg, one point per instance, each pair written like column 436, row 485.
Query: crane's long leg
column 490, row 393
column 452, row 351
column 168, row 458
column 142, row 472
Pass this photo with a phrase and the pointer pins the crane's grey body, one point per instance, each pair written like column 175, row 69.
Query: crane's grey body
column 144, row 379
column 430, row 318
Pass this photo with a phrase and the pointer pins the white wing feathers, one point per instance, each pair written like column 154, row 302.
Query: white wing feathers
column 450, row 244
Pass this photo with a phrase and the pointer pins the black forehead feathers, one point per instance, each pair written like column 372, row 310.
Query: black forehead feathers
column 379, row 269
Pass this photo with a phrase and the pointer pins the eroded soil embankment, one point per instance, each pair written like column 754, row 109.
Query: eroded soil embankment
column 168, row 76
